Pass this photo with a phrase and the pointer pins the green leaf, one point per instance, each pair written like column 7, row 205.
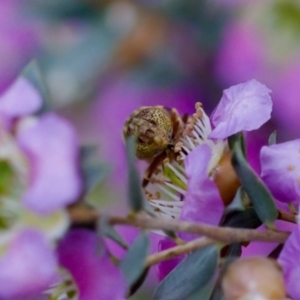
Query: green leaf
column 237, row 202
column 258, row 193
column 193, row 273
column 242, row 219
column 204, row 293
column 7, row 177
column 218, row 291
column 133, row 265
column 105, row 229
column 135, row 193
column 93, row 171
column 239, row 139
column 32, row 72
column 135, row 287
column 272, row 138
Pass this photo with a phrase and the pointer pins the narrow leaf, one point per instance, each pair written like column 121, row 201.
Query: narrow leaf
column 135, row 193
column 32, row 72
column 105, row 229
column 258, row 193
column 242, row 219
column 272, row 138
column 218, row 291
column 239, row 139
column 204, row 293
column 192, row 274
column 93, row 171
column 133, row 265
column 135, row 287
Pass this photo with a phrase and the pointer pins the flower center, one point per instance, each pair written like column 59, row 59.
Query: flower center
column 168, row 183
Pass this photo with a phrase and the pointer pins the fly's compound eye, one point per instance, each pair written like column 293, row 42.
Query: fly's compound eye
column 153, row 129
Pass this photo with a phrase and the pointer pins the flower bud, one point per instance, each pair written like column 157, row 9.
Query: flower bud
column 254, row 278
column 226, row 179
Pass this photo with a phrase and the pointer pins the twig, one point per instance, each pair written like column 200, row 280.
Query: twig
column 222, row 234
column 285, row 216
column 178, row 250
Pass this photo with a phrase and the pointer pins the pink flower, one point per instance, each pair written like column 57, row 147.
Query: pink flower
column 29, row 250
column 202, row 201
column 280, row 166
column 20, row 99
column 289, row 259
column 95, row 276
column 165, row 267
column 187, row 189
column 245, row 106
column 41, row 156
column 51, row 147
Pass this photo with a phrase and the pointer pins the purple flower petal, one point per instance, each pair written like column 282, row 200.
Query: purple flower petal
column 280, row 166
column 95, row 275
column 165, row 267
column 289, row 259
column 28, row 267
column 52, row 149
column 245, row 106
column 202, row 202
column 20, row 99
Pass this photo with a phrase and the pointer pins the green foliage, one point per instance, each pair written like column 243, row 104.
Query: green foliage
column 33, row 73
column 93, row 171
column 258, row 193
column 133, row 265
column 272, row 138
column 7, row 178
column 190, row 276
column 105, row 229
column 287, row 15
column 135, row 193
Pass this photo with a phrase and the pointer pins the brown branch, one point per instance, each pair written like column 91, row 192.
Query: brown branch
column 222, row 234
column 285, row 216
column 178, row 250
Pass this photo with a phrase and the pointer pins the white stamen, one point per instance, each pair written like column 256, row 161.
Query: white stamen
column 197, row 137
column 180, row 176
column 178, row 167
column 191, row 144
column 186, row 149
column 169, row 193
column 199, row 129
column 168, row 202
column 176, row 188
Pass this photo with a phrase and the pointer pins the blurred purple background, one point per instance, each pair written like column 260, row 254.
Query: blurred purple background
column 103, row 59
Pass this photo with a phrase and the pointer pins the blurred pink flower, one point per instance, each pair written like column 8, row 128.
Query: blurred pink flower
column 27, row 251
column 52, row 149
column 286, row 99
column 18, row 39
column 42, row 155
column 240, row 55
column 95, row 276
column 50, row 145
